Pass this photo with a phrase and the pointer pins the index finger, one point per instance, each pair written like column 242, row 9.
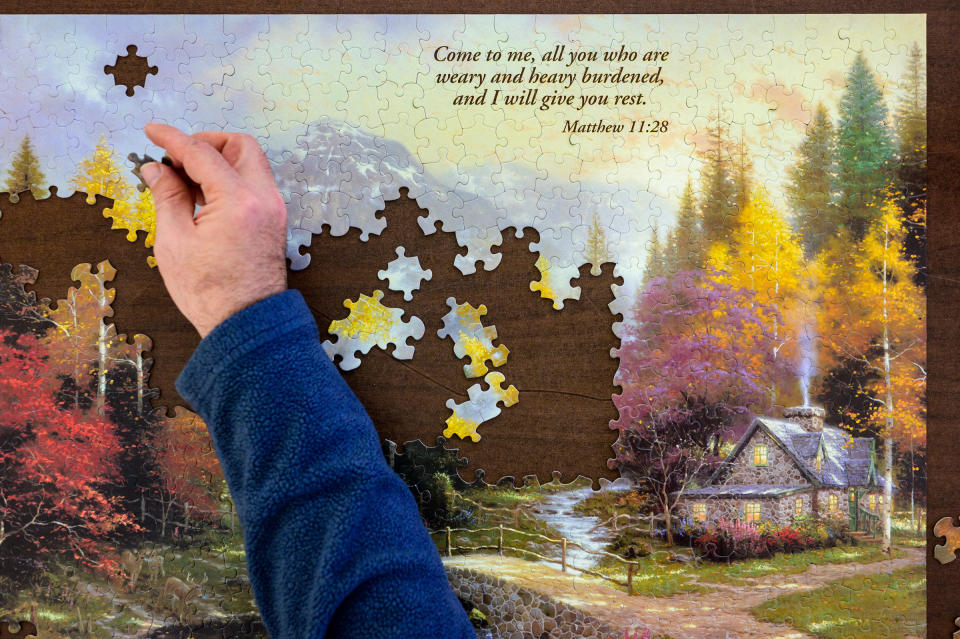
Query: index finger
column 202, row 162
column 243, row 153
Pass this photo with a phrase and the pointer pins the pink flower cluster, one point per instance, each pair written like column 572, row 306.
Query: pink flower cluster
column 741, row 540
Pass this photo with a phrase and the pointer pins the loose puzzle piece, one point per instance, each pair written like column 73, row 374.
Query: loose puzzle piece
column 405, row 274
column 471, row 338
column 946, row 552
column 482, row 406
column 554, row 283
column 370, row 324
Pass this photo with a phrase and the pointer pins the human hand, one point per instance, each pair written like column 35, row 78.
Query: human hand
column 232, row 253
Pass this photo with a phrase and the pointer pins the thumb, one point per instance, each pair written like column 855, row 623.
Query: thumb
column 171, row 197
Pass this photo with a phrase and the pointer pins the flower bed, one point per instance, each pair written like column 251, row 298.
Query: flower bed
column 739, row 540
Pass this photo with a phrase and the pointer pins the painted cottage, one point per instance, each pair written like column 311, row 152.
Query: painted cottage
column 793, row 466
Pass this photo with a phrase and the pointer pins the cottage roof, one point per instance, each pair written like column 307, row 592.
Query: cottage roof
column 741, row 490
column 844, row 460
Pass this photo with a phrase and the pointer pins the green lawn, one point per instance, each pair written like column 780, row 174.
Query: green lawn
column 735, row 572
column 904, row 533
column 660, row 577
column 865, row 607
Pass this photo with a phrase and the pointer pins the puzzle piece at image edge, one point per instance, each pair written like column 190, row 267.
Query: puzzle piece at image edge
column 405, row 274
column 471, row 338
column 481, row 407
column 946, row 552
column 27, row 629
column 370, row 324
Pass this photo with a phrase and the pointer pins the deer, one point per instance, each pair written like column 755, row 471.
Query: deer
column 131, row 565
column 154, row 564
column 185, row 592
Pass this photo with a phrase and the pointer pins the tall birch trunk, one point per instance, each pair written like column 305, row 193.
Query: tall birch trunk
column 888, row 407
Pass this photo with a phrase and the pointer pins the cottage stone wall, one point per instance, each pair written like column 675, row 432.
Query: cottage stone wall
column 823, row 501
column 780, row 470
column 776, row 510
column 515, row 612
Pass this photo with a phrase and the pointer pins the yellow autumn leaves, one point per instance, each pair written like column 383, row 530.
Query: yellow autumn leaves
column 132, row 210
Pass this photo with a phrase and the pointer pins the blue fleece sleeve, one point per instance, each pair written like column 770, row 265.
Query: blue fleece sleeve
column 335, row 545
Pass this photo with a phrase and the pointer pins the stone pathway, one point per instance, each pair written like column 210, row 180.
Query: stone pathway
column 722, row 614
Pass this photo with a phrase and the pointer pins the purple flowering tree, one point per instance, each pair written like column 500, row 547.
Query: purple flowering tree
column 697, row 358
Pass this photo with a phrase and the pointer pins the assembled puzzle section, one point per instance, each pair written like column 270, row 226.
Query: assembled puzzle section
column 679, row 224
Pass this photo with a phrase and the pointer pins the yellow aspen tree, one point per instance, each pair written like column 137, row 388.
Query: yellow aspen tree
column 83, row 343
column 874, row 313
column 132, row 210
column 763, row 255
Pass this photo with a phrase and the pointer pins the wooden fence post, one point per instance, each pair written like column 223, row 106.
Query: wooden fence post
column 563, row 554
column 449, row 545
column 500, row 541
column 630, row 578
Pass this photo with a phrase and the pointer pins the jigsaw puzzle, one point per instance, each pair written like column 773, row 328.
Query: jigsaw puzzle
column 702, row 238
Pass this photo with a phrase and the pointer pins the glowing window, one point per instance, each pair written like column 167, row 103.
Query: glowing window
column 700, row 513
column 880, row 499
column 760, row 455
column 819, row 460
column 873, row 502
column 853, row 493
column 751, row 512
column 833, row 502
column 798, row 506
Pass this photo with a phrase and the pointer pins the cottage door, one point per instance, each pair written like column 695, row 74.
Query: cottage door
column 852, row 509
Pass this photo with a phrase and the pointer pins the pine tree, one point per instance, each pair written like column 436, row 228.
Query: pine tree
column 688, row 234
column 596, row 250
column 25, row 173
column 912, row 167
column 655, row 266
column 812, row 184
column 865, row 149
column 719, row 191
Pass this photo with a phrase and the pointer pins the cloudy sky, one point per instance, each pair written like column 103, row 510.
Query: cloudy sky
column 273, row 76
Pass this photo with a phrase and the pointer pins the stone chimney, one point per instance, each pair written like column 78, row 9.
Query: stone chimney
column 810, row 417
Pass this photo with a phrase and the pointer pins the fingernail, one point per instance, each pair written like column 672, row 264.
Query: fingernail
column 150, row 172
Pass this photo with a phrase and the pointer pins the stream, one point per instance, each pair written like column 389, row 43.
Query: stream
column 557, row 512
